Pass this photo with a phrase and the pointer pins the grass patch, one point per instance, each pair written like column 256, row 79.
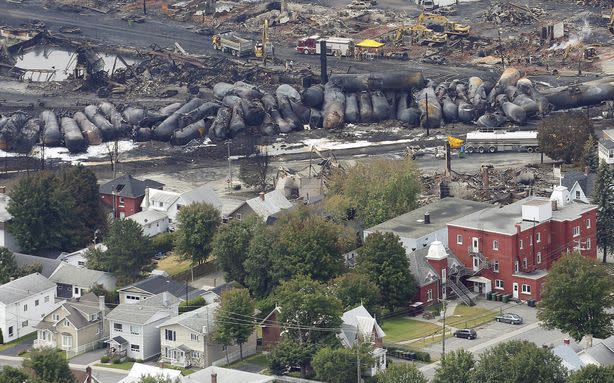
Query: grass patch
column 257, row 359
column 402, row 328
column 119, row 366
column 467, row 317
column 18, row 341
column 173, row 264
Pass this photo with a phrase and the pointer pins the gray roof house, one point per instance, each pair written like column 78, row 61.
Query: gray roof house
column 128, row 186
column 156, row 284
column 359, row 325
column 226, row 375
column 6, row 238
column 265, row 206
column 49, row 265
column 571, row 361
column 428, row 223
column 601, row 353
column 74, row 281
column 580, row 185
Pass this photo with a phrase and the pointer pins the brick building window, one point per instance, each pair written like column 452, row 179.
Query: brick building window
column 588, row 223
column 521, row 244
column 495, row 245
column 429, row 295
column 538, row 237
column 576, row 231
column 121, row 202
column 588, row 243
column 495, row 266
column 459, row 239
column 531, row 241
column 525, row 264
column 516, row 267
column 526, row 289
column 499, row 284
column 539, row 257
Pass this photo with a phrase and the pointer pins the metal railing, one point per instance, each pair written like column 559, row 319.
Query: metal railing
column 463, row 294
column 72, row 352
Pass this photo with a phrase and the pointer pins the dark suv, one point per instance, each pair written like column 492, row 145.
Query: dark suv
column 467, row 333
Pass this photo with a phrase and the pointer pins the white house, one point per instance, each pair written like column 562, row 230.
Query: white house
column 160, row 207
column 23, row 303
column 77, row 258
column 74, row 281
column 134, row 329
column 580, row 185
column 421, row 226
column 139, row 370
column 605, row 147
column 225, row 375
column 6, row 239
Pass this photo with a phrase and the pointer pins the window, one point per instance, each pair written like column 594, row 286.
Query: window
column 24, row 324
column 526, row 289
column 577, row 194
column 66, row 341
column 429, row 295
column 521, row 244
column 495, row 266
column 135, row 348
column 495, row 245
column 121, row 201
column 239, row 216
column 459, row 239
column 97, row 331
column 444, row 274
column 47, row 299
column 194, row 337
column 133, row 298
column 538, row 237
column 25, row 308
column 195, row 354
column 170, row 335
column 611, row 153
column 81, row 263
column 525, row 264
column 588, row 243
column 539, row 257
column 66, row 323
column 135, row 330
column 179, row 207
column 10, row 331
column 76, row 291
column 588, row 223
column 55, row 317
column 531, row 241
column 161, row 204
column 516, row 268
column 499, row 284
column 36, row 302
column 117, row 327
column 576, row 231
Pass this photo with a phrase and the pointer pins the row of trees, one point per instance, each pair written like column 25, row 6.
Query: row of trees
column 9, row 269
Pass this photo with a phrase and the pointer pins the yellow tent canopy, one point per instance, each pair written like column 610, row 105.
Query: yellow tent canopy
column 370, row 44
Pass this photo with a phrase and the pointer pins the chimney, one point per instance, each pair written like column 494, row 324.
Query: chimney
column 485, row 177
column 146, row 199
column 165, row 299
column 261, row 194
column 566, row 341
column 101, row 303
column 2, row 189
column 88, row 372
column 586, row 171
column 427, row 218
column 213, row 377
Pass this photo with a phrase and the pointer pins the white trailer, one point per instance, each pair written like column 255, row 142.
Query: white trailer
column 501, row 140
column 337, row 46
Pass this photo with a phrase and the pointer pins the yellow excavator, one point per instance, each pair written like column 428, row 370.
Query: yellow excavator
column 420, row 34
column 611, row 22
column 264, row 47
column 450, row 28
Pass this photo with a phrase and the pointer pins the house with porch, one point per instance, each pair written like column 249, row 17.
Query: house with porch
column 77, row 326
column 74, row 281
column 23, row 302
column 510, row 249
column 187, row 340
column 124, row 194
column 359, row 326
column 133, row 327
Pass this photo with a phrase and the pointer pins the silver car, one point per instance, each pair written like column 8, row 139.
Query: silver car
column 509, row 318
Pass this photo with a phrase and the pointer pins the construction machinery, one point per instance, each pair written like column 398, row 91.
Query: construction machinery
column 450, row 28
column 422, row 35
column 264, row 48
column 611, row 22
column 455, row 143
column 229, row 42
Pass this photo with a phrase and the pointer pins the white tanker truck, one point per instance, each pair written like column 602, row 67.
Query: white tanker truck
column 501, row 140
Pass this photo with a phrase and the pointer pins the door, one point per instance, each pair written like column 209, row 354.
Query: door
column 475, row 245
column 476, row 263
column 515, row 290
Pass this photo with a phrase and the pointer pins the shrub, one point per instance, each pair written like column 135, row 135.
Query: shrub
column 139, row 361
column 116, row 360
column 192, row 304
column 423, row 356
column 162, row 242
column 105, row 359
column 129, row 360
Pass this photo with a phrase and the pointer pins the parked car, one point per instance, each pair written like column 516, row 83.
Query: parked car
column 509, row 318
column 467, row 333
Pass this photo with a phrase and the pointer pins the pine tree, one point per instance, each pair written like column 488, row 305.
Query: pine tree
column 589, row 154
column 604, row 199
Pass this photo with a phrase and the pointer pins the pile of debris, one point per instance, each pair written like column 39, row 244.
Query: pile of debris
column 510, row 13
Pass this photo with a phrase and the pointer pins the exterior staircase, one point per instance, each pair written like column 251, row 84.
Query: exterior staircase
column 462, row 292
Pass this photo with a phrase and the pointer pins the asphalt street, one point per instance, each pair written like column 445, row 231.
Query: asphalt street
column 103, row 375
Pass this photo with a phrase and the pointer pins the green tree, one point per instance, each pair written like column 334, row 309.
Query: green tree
column 338, row 365
column 234, row 318
column 192, row 304
column 401, row 373
column 10, row 374
column 288, row 354
column 590, row 157
column 377, row 190
column 604, row 199
column 562, row 136
column 383, row 260
column 354, row 289
column 456, row 366
column 49, row 365
column 110, row 297
column 519, row 361
column 128, row 250
column 593, row 374
column 262, row 250
column 8, row 266
column 230, row 245
column 163, row 242
column 196, row 225
column 578, row 298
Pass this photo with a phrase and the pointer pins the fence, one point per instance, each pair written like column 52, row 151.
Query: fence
column 84, row 348
column 198, row 270
column 235, row 356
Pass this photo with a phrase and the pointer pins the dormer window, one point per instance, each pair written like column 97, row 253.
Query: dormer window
column 161, row 204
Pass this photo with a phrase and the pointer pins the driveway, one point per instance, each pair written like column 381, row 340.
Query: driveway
column 88, row 357
column 18, row 348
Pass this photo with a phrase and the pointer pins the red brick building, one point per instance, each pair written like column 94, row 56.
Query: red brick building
column 123, row 195
column 510, row 249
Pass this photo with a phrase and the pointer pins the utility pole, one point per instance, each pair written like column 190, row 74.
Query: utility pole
column 427, row 113
column 501, row 48
column 443, row 336
column 229, row 168
column 144, row 7
column 358, row 361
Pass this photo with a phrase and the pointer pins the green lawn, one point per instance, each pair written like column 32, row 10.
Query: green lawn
column 258, row 359
column 173, row 264
column 119, row 366
column 17, row 341
column 465, row 316
column 402, row 328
